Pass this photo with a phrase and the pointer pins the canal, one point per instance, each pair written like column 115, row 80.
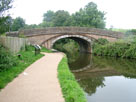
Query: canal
column 105, row 79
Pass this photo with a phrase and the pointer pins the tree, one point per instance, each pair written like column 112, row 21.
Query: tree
column 58, row 18
column 46, row 24
column 5, row 23
column 4, row 6
column 48, row 17
column 5, row 20
column 18, row 23
column 61, row 18
column 78, row 18
column 89, row 16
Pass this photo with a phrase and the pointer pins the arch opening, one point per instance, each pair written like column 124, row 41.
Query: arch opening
column 84, row 42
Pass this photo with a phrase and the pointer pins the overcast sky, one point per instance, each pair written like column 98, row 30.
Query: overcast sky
column 120, row 13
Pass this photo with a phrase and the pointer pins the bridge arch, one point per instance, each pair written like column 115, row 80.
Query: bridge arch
column 84, row 35
column 84, row 42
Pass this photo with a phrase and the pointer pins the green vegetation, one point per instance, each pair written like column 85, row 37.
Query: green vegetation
column 5, row 19
column 17, row 24
column 12, row 68
column 69, row 47
column 71, row 90
column 4, row 6
column 89, row 16
column 122, row 48
column 131, row 32
column 7, row 60
column 45, row 50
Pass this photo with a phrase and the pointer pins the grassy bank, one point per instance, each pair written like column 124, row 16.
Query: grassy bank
column 123, row 48
column 26, row 59
column 72, row 92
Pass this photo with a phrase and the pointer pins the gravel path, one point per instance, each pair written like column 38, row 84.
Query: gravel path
column 38, row 83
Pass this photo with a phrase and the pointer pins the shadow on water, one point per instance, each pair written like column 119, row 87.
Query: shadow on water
column 105, row 72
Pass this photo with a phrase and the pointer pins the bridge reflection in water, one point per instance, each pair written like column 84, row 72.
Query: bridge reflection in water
column 106, row 79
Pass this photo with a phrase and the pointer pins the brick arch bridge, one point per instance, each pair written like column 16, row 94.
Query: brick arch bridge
column 83, row 35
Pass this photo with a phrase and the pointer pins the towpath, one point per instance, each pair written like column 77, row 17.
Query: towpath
column 38, row 83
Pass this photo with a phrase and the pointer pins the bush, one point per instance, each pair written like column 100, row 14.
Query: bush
column 121, row 48
column 7, row 60
column 102, row 41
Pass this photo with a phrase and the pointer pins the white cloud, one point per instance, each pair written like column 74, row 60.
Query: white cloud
column 120, row 13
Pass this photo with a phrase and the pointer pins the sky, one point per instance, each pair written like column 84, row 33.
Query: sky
column 119, row 13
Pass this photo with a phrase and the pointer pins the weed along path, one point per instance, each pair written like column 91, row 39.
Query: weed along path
column 38, row 83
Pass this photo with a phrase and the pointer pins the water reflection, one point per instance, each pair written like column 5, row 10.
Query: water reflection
column 117, row 89
column 107, row 79
column 81, row 60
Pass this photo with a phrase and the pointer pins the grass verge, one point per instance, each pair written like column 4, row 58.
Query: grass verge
column 72, row 91
column 27, row 58
column 45, row 50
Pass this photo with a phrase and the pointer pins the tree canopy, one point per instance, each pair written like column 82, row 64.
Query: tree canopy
column 5, row 20
column 4, row 6
column 17, row 24
column 89, row 16
column 48, row 17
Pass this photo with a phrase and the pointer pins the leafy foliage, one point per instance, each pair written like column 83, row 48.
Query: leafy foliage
column 7, row 60
column 18, row 23
column 48, row 17
column 122, row 48
column 69, row 47
column 61, row 18
column 4, row 19
column 4, row 6
column 66, row 45
column 88, row 16
column 5, row 23
column 58, row 18
column 102, row 41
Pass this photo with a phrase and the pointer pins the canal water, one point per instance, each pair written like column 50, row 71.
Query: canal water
column 105, row 79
